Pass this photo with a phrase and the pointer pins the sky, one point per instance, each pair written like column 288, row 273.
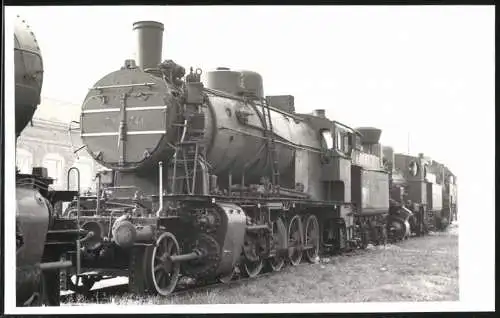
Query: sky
column 427, row 72
column 407, row 70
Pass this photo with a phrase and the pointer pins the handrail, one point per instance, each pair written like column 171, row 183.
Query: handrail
column 160, row 183
column 77, row 197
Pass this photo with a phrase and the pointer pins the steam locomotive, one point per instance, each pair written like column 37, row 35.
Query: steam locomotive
column 41, row 239
column 206, row 180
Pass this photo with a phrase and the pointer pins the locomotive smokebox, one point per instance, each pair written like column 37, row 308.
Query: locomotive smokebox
column 149, row 43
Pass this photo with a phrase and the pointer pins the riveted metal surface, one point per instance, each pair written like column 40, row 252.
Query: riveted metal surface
column 32, row 217
column 28, row 65
column 125, row 123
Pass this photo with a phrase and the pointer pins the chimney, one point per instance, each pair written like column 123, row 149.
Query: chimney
column 370, row 135
column 149, row 43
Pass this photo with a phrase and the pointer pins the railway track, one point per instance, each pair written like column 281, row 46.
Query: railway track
column 96, row 295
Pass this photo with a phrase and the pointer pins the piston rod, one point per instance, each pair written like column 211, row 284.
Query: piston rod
column 186, row 257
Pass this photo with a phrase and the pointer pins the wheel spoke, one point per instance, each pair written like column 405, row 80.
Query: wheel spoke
column 165, row 273
column 253, row 269
column 294, row 241
column 312, row 238
column 170, row 245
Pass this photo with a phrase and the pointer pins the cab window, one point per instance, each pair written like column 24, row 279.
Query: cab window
column 327, row 137
column 339, row 141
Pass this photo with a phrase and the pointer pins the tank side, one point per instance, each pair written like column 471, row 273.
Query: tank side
column 238, row 143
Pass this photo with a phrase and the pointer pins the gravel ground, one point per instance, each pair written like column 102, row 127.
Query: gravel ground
column 419, row 269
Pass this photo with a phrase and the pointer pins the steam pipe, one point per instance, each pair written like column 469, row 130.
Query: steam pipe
column 149, row 43
column 160, row 184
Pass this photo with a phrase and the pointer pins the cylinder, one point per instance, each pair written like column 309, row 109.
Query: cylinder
column 124, row 233
column 149, row 43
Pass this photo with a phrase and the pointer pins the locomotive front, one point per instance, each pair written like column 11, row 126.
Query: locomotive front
column 127, row 115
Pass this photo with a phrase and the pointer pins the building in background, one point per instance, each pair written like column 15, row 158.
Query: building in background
column 48, row 143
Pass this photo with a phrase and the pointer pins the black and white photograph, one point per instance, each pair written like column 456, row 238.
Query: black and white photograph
column 248, row 159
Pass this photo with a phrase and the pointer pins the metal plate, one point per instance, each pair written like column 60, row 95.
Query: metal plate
column 374, row 190
column 125, row 118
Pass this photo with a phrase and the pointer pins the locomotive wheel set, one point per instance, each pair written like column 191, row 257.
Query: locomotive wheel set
column 205, row 180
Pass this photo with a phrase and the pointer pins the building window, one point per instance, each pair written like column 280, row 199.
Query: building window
column 24, row 161
column 55, row 169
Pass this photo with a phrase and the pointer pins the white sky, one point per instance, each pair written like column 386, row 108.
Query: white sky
column 402, row 69
column 426, row 70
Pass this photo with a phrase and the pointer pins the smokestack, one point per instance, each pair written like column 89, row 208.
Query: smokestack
column 370, row 135
column 149, row 43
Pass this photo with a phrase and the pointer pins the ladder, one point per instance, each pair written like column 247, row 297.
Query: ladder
column 189, row 149
column 270, row 142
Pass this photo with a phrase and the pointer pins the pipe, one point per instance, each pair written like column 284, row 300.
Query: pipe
column 149, row 43
column 98, row 199
column 160, row 184
column 258, row 227
column 186, row 257
column 55, row 265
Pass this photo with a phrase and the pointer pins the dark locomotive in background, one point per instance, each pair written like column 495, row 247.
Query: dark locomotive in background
column 205, row 180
